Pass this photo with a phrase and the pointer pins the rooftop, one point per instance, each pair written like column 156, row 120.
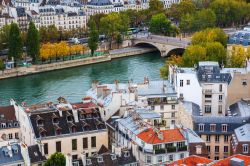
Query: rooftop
column 10, row 154
column 35, row 155
column 191, row 161
column 226, row 161
column 7, row 113
column 152, row 137
column 241, row 108
column 243, row 133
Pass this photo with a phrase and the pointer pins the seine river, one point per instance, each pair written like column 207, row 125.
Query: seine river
column 74, row 82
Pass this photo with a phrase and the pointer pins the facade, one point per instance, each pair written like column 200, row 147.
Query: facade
column 32, row 155
column 10, row 128
column 22, row 18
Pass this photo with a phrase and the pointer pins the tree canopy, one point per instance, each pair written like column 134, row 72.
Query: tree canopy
column 33, row 41
column 15, row 42
column 93, row 37
column 56, row 159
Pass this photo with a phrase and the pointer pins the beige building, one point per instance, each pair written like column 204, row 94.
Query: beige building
column 72, row 129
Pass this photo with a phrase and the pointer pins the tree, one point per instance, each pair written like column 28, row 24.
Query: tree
column 248, row 52
column 193, row 54
column 156, row 5
column 178, row 10
column 119, row 39
column 238, row 57
column 56, row 159
column 43, row 34
column 97, row 19
column 93, row 37
column 33, row 42
column 2, row 66
column 159, row 24
column 210, row 35
column 216, row 52
column 53, row 33
column 4, row 37
column 203, row 19
column 15, row 42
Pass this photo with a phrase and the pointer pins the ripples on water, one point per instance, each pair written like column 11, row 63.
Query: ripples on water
column 74, row 82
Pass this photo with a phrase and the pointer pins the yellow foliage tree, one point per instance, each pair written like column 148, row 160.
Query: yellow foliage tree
column 238, row 56
column 248, row 52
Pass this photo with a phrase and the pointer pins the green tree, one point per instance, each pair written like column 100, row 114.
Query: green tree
column 156, row 5
column 97, row 18
column 193, row 54
column 215, row 51
column 203, row 19
column 33, row 42
column 43, row 34
column 119, row 39
column 56, row 159
column 186, row 24
column 178, row 10
column 93, row 37
column 2, row 66
column 4, row 37
column 53, row 33
column 159, row 24
column 15, row 42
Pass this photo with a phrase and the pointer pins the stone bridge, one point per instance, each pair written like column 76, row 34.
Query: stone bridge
column 166, row 45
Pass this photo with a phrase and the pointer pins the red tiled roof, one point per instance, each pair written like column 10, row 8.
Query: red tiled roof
column 7, row 113
column 226, row 161
column 84, row 105
column 150, row 136
column 191, row 161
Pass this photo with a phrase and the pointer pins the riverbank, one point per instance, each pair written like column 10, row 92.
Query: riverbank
column 119, row 53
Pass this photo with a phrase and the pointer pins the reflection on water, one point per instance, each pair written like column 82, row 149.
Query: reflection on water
column 72, row 83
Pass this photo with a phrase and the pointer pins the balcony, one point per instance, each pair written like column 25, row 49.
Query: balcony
column 160, row 151
column 183, row 148
column 171, row 149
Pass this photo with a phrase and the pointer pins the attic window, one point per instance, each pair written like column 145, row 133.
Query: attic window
column 88, row 162
column 99, row 159
column 3, row 125
column 39, row 122
column 244, row 82
column 113, row 157
column 126, row 154
column 69, row 118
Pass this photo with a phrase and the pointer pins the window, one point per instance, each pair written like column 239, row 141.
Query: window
column 207, row 108
column 162, row 107
column 171, row 157
column 212, row 127
column 208, row 96
column 220, row 88
column 217, row 138
column 181, row 95
column 245, row 148
column 85, row 143
column 173, row 107
column 201, row 127
column 216, row 158
column 172, row 114
column 74, row 157
column 220, row 97
column 16, row 135
column 220, row 109
column 58, row 146
column 172, row 122
column 208, row 138
column 225, row 138
column 224, row 127
column 188, row 82
column 152, row 107
column 225, row 149
column 74, row 144
column 181, row 83
column 159, row 159
column 93, row 142
column 10, row 136
column 149, row 159
column 46, row 150
column 244, row 82
column 182, row 155
column 208, row 148
column 217, row 149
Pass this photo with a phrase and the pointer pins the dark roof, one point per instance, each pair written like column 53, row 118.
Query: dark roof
column 109, row 161
column 103, row 149
column 71, row 14
column 33, row 12
column 211, row 73
column 20, row 12
column 35, row 155
column 89, row 120
column 7, row 113
column 232, row 123
column 99, row 2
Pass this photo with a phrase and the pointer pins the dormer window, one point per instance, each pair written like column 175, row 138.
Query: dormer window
column 88, row 162
column 39, row 120
column 9, row 124
column 16, row 124
column 99, row 159
column 42, row 132
column 126, row 153
column 72, row 127
column 113, row 157
column 3, row 125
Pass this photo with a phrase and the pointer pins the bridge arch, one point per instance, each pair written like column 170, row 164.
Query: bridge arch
column 148, row 45
column 175, row 51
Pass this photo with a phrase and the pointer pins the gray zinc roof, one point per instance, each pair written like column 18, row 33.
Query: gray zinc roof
column 243, row 133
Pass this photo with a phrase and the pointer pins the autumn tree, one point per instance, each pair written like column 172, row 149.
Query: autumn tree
column 93, row 37
column 237, row 57
column 33, row 42
column 15, row 42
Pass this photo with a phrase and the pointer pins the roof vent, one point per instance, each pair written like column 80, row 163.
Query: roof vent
column 113, row 157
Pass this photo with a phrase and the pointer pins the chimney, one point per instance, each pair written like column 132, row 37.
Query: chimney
column 83, row 157
column 160, row 135
column 41, row 148
column 116, row 85
column 68, row 160
column 60, row 113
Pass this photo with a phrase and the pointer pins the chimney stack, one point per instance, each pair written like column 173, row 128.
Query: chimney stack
column 83, row 156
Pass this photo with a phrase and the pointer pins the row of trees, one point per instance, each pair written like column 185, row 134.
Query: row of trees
column 208, row 45
column 59, row 50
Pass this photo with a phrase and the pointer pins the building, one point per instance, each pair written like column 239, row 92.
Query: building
column 11, row 154
column 234, row 160
column 22, row 18
column 10, row 128
column 241, row 140
column 64, row 127
column 191, row 160
column 32, row 155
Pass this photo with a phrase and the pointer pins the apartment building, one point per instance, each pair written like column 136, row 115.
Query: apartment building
column 22, row 18
column 9, row 129
column 241, row 140
column 64, row 127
